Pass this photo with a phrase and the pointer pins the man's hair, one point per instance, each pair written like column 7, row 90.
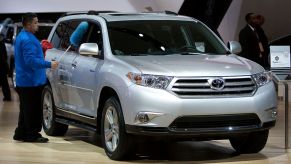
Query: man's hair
column 27, row 18
column 248, row 16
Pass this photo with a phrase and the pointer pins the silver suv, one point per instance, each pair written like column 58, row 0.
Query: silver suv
column 159, row 75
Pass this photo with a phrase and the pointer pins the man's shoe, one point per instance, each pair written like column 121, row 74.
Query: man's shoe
column 18, row 138
column 37, row 140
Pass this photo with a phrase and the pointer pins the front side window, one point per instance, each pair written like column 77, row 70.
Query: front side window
column 61, row 37
column 73, row 33
column 162, row 37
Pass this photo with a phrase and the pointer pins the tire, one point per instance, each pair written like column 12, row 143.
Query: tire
column 250, row 143
column 50, row 126
column 118, row 146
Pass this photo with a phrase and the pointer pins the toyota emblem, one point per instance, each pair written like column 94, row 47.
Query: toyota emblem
column 217, row 84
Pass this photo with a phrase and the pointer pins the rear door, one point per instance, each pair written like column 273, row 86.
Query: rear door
column 65, row 54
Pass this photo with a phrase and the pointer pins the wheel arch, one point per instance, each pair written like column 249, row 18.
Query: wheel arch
column 105, row 94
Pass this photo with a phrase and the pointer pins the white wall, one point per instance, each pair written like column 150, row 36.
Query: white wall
column 20, row 6
column 171, row 5
column 276, row 12
column 230, row 23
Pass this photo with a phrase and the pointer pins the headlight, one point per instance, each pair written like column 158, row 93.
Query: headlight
column 262, row 78
column 153, row 81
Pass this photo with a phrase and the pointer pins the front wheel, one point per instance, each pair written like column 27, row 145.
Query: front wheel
column 50, row 126
column 250, row 143
column 116, row 142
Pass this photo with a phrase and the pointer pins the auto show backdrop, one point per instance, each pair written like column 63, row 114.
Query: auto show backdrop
column 275, row 12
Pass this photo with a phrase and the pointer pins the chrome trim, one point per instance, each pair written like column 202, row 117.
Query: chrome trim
column 76, row 116
column 73, row 86
column 201, row 85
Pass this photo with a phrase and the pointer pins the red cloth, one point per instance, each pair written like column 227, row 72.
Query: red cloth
column 45, row 44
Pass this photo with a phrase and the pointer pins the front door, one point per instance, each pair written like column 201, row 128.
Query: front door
column 85, row 81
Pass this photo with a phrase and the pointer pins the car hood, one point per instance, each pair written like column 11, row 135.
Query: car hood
column 193, row 65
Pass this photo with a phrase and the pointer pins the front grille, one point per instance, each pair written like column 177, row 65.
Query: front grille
column 233, row 86
column 215, row 122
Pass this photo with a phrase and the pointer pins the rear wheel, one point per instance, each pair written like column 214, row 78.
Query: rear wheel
column 50, row 126
column 116, row 142
column 250, row 143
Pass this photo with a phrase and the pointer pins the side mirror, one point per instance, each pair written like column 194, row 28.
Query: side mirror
column 234, row 47
column 89, row 49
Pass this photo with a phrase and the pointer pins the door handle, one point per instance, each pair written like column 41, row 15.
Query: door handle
column 74, row 64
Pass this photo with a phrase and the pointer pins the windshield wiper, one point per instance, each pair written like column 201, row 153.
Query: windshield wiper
column 190, row 53
column 137, row 54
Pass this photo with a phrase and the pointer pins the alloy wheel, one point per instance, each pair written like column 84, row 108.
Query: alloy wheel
column 47, row 110
column 111, row 129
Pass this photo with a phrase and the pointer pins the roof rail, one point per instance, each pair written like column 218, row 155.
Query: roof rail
column 170, row 12
column 74, row 13
column 90, row 12
column 164, row 12
column 94, row 12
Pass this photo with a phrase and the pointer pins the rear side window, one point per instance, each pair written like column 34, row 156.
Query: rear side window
column 56, row 39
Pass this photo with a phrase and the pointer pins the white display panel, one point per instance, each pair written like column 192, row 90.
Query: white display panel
column 280, row 56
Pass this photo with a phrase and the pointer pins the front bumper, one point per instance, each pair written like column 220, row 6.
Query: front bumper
column 170, row 107
column 223, row 132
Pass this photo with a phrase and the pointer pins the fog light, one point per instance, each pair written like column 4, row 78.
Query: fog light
column 274, row 114
column 143, row 118
column 146, row 117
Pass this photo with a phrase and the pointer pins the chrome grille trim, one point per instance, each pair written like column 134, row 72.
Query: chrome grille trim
column 200, row 87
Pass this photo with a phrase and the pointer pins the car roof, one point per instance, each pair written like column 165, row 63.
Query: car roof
column 119, row 16
column 142, row 16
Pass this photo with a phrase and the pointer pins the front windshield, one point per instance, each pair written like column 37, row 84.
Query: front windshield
column 162, row 37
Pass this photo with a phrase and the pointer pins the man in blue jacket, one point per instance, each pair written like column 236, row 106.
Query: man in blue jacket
column 30, row 69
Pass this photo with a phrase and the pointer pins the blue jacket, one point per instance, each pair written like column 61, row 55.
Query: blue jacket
column 30, row 65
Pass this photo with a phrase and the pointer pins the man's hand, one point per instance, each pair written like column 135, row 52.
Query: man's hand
column 54, row 64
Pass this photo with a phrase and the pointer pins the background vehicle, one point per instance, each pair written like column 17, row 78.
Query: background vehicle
column 157, row 75
column 12, row 30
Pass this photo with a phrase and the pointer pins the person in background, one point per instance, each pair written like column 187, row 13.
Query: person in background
column 4, row 70
column 30, row 69
column 252, row 46
column 264, row 39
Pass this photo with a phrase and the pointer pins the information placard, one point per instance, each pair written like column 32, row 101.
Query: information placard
column 280, row 56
